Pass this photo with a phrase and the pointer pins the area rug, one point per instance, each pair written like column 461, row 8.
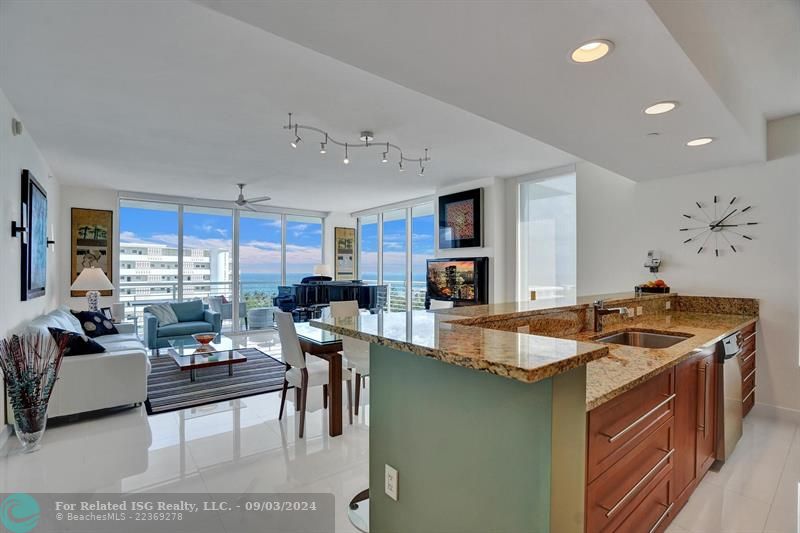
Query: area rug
column 169, row 388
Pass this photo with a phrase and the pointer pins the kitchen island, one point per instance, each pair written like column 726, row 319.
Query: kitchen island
column 483, row 410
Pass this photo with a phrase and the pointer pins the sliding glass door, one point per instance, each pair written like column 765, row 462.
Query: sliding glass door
column 303, row 247
column 175, row 252
column 547, row 254
column 260, row 258
column 393, row 247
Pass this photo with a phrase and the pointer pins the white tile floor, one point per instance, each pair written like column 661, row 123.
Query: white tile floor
column 241, row 446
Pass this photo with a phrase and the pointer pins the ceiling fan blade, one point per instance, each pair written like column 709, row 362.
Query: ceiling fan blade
column 259, row 199
column 247, row 207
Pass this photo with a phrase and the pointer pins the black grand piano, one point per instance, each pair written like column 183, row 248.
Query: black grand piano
column 304, row 299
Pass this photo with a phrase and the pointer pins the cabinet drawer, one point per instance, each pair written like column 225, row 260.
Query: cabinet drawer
column 618, row 425
column 655, row 511
column 617, row 492
column 748, row 401
column 748, row 383
column 748, row 364
column 749, row 346
column 748, row 330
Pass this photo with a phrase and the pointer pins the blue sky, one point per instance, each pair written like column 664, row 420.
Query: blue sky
column 260, row 236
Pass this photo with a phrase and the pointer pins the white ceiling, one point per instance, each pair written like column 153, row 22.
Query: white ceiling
column 508, row 61
column 173, row 98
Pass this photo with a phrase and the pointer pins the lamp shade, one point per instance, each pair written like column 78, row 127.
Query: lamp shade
column 322, row 270
column 92, row 279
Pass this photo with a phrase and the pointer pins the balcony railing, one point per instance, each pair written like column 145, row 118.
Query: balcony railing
column 136, row 295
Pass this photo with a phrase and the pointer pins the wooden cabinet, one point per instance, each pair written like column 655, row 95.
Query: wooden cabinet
column 706, row 412
column 648, row 448
column 748, row 359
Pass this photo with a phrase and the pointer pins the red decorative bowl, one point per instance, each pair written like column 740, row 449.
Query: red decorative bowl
column 204, row 338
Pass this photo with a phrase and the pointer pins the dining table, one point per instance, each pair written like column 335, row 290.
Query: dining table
column 327, row 346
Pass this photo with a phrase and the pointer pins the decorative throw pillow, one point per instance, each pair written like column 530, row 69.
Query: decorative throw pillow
column 95, row 323
column 77, row 344
column 164, row 313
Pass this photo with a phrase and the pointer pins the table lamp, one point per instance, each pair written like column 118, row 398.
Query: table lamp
column 322, row 270
column 92, row 280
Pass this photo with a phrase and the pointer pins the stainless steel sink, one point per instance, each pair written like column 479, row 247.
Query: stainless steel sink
column 643, row 339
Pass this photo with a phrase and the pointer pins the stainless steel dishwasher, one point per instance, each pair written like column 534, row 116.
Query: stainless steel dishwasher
column 729, row 396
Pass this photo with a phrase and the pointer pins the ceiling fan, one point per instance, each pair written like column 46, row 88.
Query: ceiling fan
column 241, row 201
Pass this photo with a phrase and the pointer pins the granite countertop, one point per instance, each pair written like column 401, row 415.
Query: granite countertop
column 627, row 366
column 527, row 358
column 488, row 337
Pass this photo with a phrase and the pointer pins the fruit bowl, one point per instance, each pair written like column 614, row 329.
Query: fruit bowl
column 204, row 338
column 658, row 286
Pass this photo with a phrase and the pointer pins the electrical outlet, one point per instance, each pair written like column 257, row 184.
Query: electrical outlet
column 631, row 312
column 669, row 304
column 390, row 482
column 639, row 311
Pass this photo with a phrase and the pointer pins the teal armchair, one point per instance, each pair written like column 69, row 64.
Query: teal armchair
column 193, row 317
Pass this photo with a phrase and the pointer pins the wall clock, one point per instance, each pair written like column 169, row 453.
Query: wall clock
column 723, row 223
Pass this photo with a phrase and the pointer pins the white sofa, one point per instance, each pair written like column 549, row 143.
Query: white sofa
column 113, row 378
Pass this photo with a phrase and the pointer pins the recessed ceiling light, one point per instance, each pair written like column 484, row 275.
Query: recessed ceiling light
column 592, row 51
column 660, row 107
column 700, row 141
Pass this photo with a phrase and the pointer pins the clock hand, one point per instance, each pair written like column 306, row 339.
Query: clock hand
column 723, row 220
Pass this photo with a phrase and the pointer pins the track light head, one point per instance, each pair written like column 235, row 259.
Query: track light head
column 384, row 159
column 322, row 148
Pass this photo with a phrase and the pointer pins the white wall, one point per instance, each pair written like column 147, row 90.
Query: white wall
column 88, row 198
column 334, row 220
column 618, row 222
column 497, row 246
column 17, row 153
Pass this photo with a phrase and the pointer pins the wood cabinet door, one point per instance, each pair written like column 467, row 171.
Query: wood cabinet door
column 687, row 390
column 706, row 412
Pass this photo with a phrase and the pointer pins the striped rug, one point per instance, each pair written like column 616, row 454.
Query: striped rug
column 169, row 388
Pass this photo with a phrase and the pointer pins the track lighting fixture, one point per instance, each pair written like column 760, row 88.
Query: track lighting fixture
column 296, row 140
column 367, row 141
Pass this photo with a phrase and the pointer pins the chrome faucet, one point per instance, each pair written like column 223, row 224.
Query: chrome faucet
column 600, row 310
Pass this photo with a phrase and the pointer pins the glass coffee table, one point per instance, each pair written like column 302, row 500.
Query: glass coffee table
column 190, row 355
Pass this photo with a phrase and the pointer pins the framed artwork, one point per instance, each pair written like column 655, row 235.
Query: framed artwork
column 33, row 244
column 345, row 248
column 91, row 234
column 460, row 219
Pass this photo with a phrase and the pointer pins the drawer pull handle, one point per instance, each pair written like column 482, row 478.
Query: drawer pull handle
column 748, row 396
column 750, row 375
column 639, row 485
column 641, row 418
column 749, row 336
column 746, row 359
column 661, row 519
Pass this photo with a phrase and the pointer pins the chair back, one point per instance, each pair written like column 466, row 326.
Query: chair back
column 215, row 303
column 290, row 343
column 441, row 304
column 344, row 309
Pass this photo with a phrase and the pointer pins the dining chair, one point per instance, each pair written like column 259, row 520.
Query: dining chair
column 354, row 350
column 440, row 304
column 304, row 371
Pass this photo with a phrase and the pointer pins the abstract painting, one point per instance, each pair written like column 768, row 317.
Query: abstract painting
column 33, row 267
column 91, row 234
column 460, row 219
column 344, row 247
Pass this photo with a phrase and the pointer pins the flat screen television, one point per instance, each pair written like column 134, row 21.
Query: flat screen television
column 463, row 280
